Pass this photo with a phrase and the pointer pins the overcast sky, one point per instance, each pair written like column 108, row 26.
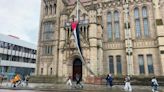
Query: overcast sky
column 20, row 18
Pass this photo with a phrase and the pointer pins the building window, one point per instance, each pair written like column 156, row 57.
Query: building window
column 33, row 61
column 48, row 31
column 46, row 10
column 48, row 36
column 116, row 24
column 11, row 46
column 111, row 64
column 150, row 64
column 137, row 23
column 141, row 64
column 48, row 27
column 50, row 71
column 145, row 21
column 7, row 69
column 50, row 8
column 48, row 50
column 119, row 66
column 5, row 45
column 1, row 44
column 54, row 8
column 109, row 25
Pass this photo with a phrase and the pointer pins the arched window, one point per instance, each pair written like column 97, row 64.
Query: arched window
column 137, row 23
column 109, row 25
column 116, row 25
column 54, row 8
column 50, row 71
column 145, row 21
column 111, row 64
column 46, row 10
column 48, row 27
column 84, row 16
column 48, row 31
column 50, row 10
column 119, row 66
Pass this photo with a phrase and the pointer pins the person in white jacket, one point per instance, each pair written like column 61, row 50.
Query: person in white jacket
column 69, row 82
column 154, row 84
column 127, row 86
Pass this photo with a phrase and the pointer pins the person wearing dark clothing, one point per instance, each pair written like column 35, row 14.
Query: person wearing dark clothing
column 109, row 80
column 154, row 84
column 78, row 79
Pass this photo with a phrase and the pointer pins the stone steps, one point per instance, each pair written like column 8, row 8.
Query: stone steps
column 117, row 80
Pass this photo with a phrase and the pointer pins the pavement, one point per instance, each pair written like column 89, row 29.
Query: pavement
column 46, row 87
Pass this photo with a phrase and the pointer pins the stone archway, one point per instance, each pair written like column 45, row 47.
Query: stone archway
column 77, row 68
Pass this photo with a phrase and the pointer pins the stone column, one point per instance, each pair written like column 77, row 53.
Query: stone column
column 100, row 51
column 115, row 65
column 99, row 41
column 93, row 41
column 146, row 65
column 45, row 68
column 86, row 32
column 93, row 47
column 128, row 41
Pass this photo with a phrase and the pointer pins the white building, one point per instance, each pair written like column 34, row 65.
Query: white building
column 16, row 56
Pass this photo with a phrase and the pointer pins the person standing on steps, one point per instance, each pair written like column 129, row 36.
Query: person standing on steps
column 109, row 80
column 78, row 80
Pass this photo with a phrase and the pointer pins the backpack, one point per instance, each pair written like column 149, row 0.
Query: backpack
column 152, row 84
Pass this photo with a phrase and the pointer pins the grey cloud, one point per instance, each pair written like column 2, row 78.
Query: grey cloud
column 20, row 18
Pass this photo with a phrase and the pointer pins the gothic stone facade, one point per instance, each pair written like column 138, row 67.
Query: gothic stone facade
column 105, row 40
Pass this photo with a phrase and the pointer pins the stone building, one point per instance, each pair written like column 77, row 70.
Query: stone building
column 110, row 42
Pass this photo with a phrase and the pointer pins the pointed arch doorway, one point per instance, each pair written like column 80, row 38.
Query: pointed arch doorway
column 77, row 68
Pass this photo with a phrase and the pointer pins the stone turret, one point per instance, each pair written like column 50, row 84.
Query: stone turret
column 160, row 33
column 93, row 39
